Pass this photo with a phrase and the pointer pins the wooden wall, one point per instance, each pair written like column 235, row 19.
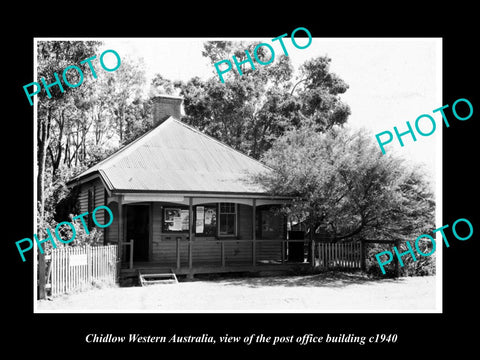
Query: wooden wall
column 112, row 232
column 99, row 199
column 207, row 250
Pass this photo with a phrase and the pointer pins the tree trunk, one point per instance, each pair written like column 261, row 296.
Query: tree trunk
column 98, row 127
column 121, row 119
column 44, row 137
column 77, row 145
column 66, row 159
column 311, row 248
column 56, row 159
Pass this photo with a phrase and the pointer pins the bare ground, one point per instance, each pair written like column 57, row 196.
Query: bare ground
column 326, row 292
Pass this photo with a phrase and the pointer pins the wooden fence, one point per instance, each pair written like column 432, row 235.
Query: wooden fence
column 77, row 268
column 340, row 255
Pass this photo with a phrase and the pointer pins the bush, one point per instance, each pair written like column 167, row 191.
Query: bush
column 93, row 238
column 423, row 266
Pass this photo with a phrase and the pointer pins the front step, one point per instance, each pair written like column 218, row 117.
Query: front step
column 162, row 278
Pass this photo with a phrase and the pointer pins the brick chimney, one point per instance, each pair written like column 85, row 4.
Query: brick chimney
column 165, row 106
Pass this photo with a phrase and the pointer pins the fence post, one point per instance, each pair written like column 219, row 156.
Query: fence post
column 334, row 254
column 351, row 256
column 357, row 255
column 312, row 252
column 41, row 275
column 190, row 235
column 319, row 254
column 363, row 263
column 327, row 255
column 54, row 281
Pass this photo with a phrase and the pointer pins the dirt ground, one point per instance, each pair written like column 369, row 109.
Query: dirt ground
column 327, row 292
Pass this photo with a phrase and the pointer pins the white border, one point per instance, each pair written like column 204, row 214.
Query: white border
column 438, row 188
column 35, row 175
column 439, row 182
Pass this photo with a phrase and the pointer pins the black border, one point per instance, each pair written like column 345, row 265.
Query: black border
column 418, row 333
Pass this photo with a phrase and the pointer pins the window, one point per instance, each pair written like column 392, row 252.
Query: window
column 206, row 220
column 228, row 219
column 175, row 219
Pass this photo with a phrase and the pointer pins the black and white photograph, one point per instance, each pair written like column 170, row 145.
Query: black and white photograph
column 262, row 189
column 294, row 189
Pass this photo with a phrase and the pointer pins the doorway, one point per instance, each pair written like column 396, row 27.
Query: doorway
column 138, row 225
column 269, row 224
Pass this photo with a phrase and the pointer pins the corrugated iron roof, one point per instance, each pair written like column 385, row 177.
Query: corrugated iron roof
column 176, row 157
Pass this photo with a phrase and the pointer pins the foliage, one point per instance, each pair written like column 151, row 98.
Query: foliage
column 249, row 112
column 124, row 92
column 82, row 238
column 292, row 120
column 83, row 125
column 425, row 265
column 340, row 181
column 59, row 200
column 54, row 116
column 319, row 93
column 61, row 205
column 161, row 86
column 54, row 57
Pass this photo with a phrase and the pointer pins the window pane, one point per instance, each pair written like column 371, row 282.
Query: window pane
column 231, row 224
column 223, row 224
column 223, row 207
column 227, row 224
column 226, row 208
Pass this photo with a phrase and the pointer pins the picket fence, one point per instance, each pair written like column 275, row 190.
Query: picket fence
column 340, row 255
column 78, row 268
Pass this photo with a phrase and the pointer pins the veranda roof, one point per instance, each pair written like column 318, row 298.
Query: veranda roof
column 178, row 158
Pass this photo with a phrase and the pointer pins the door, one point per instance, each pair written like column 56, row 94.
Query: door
column 270, row 224
column 138, row 221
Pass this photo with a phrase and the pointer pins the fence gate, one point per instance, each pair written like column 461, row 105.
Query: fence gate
column 77, row 268
column 340, row 255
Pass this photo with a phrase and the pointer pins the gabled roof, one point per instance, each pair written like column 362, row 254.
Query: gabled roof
column 176, row 157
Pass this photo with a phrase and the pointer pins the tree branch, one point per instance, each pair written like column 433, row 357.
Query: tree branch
column 354, row 232
column 294, row 86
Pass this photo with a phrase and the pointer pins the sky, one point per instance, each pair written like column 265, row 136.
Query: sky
column 391, row 80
